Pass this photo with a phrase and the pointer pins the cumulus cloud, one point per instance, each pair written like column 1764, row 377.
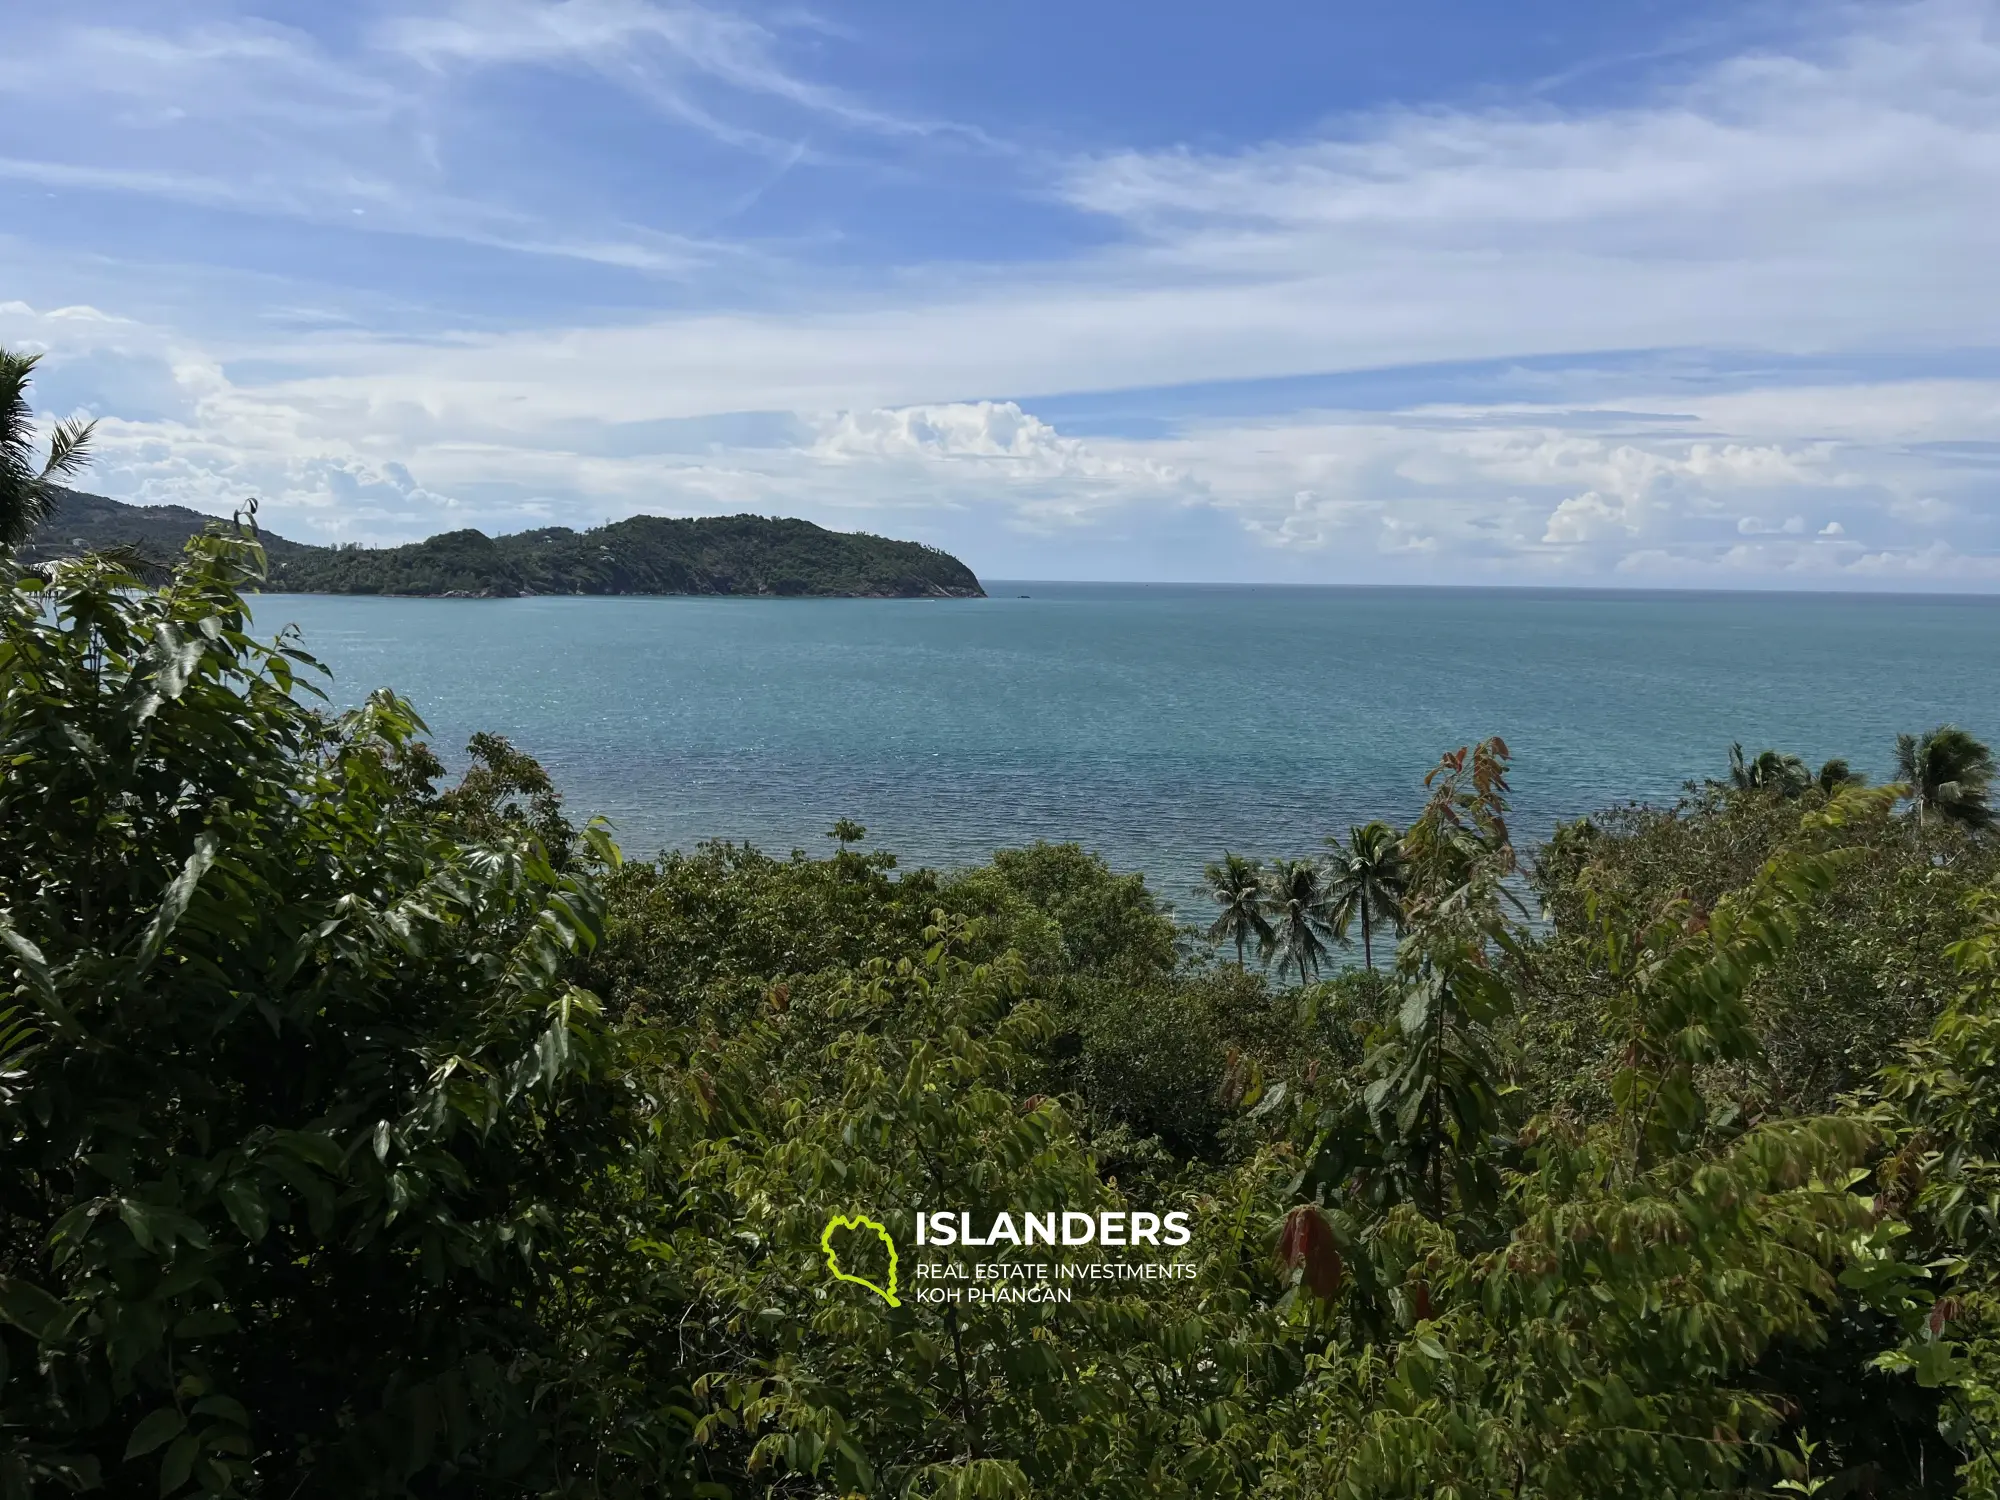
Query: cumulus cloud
column 997, row 436
column 1588, row 517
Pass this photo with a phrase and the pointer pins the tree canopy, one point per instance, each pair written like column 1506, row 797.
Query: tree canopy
column 754, row 555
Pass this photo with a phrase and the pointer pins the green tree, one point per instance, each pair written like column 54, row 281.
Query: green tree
column 1769, row 771
column 1366, row 880
column 1948, row 773
column 27, row 489
column 1236, row 886
column 1434, row 1096
column 1944, row 1094
column 1837, row 773
column 1300, row 917
column 314, row 1118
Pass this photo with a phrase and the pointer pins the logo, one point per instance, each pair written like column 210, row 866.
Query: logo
column 860, row 1221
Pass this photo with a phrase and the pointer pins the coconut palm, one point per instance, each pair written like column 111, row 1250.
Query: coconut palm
column 1366, row 879
column 1295, row 900
column 1836, row 774
column 1236, row 886
column 26, row 492
column 1770, row 771
column 1948, row 773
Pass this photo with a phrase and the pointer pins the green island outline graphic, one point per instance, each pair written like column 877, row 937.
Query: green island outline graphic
column 859, row 1221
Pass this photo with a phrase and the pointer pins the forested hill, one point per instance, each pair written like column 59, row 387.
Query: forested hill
column 752, row 555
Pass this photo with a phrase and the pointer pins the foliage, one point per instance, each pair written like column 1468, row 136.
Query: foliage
column 916, row 1103
column 1868, row 969
column 1948, row 773
column 1770, row 771
column 1945, row 1093
column 1236, row 886
column 311, row 1107
column 1424, row 1128
column 1366, row 882
column 1299, row 911
column 1111, row 927
column 28, row 492
column 639, row 555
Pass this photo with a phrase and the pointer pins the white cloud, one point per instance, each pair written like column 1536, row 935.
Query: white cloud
column 997, row 435
column 1588, row 517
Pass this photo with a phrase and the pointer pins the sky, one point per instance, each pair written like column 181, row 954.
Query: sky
column 1560, row 292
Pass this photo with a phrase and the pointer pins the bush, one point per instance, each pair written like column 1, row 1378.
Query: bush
column 301, row 1097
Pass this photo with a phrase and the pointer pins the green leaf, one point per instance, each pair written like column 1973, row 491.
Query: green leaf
column 138, row 1221
column 1273, row 1097
column 174, row 904
column 246, row 1209
column 28, row 1307
column 178, row 1464
column 40, row 976
column 155, row 1429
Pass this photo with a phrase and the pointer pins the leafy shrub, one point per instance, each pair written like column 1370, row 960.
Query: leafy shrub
column 302, row 1101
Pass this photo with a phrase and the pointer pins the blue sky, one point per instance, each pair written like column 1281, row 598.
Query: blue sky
column 1549, row 292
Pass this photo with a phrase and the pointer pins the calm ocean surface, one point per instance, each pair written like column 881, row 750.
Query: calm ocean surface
column 1157, row 724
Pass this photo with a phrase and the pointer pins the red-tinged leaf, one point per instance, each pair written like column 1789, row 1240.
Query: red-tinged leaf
column 1306, row 1244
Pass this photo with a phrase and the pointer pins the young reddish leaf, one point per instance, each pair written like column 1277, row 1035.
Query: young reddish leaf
column 1306, row 1244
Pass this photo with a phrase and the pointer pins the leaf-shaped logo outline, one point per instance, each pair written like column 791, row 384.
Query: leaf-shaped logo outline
column 859, row 1221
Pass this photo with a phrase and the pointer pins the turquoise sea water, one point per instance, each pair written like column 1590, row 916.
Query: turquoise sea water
column 1158, row 724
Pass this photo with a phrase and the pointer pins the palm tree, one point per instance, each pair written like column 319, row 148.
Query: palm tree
column 1948, row 773
column 1295, row 897
column 1366, row 879
column 1236, row 885
column 26, row 496
column 1771, row 771
column 1836, row 774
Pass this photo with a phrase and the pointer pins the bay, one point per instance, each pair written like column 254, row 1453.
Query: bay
column 1156, row 724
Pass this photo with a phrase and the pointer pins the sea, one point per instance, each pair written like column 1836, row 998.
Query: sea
column 1158, row 725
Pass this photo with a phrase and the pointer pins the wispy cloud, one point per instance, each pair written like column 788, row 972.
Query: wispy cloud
column 387, row 133
column 650, row 47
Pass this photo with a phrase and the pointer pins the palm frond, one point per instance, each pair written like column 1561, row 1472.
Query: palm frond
column 69, row 448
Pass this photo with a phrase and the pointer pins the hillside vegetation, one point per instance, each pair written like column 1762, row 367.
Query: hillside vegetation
column 751, row 555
